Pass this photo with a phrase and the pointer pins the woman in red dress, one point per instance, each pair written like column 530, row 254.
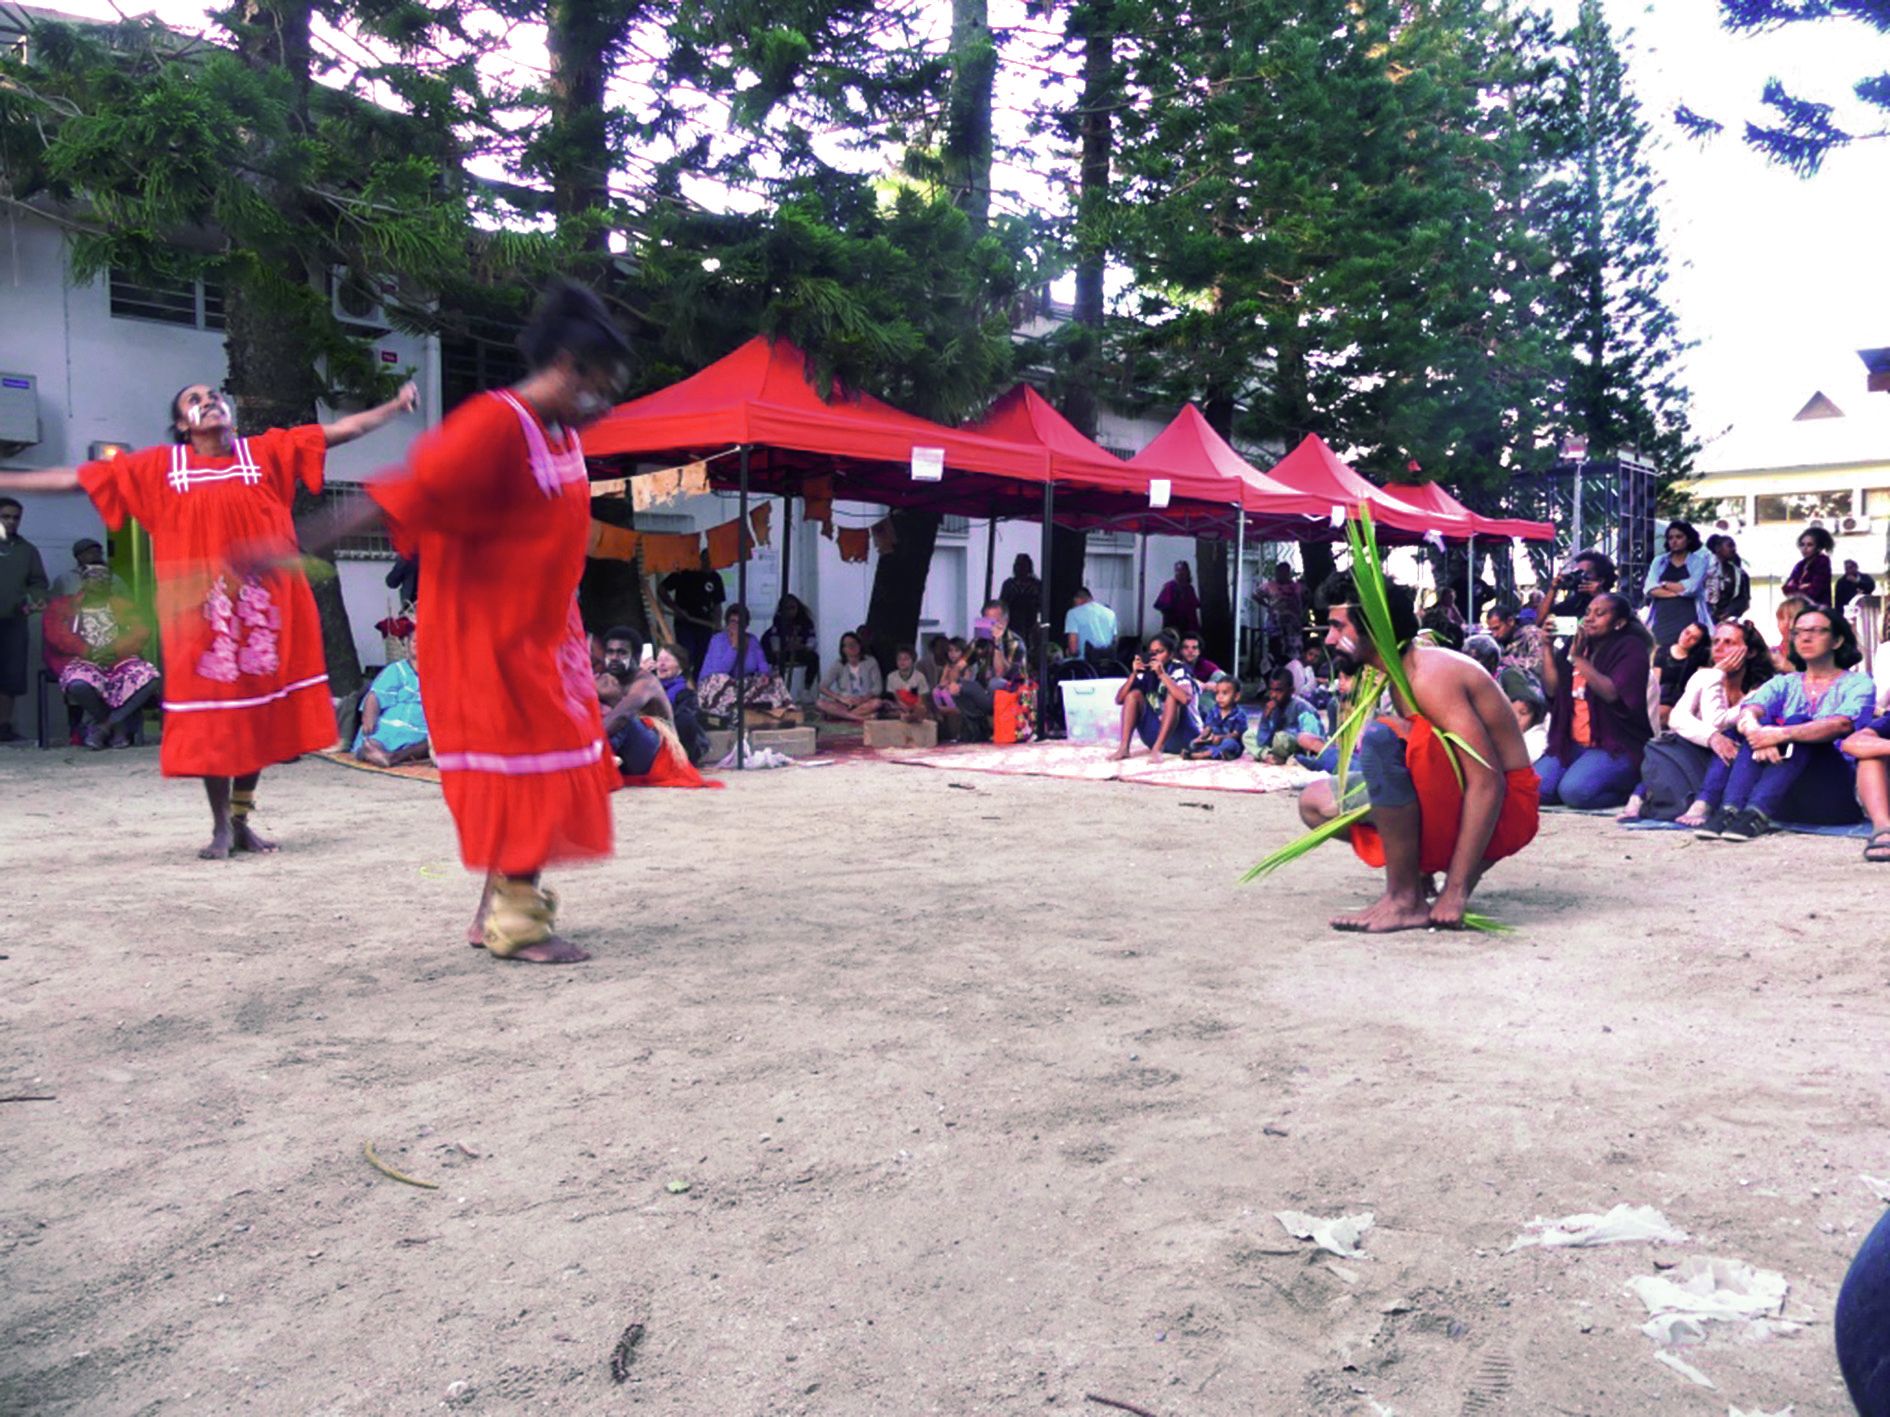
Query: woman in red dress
column 245, row 681
column 497, row 506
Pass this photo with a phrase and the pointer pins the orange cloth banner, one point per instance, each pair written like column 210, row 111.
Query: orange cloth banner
column 817, row 502
column 611, row 543
column 671, row 551
column 725, row 545
column 883, row 538
column 854, row 541
column 759, row 522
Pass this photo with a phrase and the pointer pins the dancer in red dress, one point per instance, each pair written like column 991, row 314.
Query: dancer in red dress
column 496, row 504
column 245, row 682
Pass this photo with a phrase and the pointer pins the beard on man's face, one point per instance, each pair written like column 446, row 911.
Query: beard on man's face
column 1343, row 663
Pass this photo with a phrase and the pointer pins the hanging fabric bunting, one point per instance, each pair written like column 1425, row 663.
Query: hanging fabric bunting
column 725, row 545
column 854, row 541
column 671, row 551
column 610, row 487
column 611, row 543
column 695, row 480
column 817, row 502
column 884, row 538
column 759, row 521
column 655, row 489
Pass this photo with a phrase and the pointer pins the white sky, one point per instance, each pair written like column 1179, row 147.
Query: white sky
column 1779, row 279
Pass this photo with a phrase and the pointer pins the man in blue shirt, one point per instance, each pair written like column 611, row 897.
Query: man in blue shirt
column 1089, row 627
column 1287, row 724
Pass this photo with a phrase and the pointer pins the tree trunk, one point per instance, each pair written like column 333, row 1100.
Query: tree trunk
column 581, row 36
column 892, row 614
column 271, row 376
column 1214, row 558
column 899, row 579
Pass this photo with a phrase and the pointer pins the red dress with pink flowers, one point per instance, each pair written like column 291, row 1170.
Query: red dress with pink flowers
column 498, row 508
column 245, row 680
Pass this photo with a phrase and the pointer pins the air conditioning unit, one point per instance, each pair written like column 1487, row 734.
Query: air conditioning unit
column 1730, row 526
column 1852, row 526
column 19, row 412
column 358, row 302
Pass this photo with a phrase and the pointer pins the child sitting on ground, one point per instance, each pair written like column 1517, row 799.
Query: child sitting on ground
column 1223, row 724
column 911, row 693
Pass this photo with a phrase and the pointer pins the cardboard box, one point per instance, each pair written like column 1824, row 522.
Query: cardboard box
column 897, row 733
column 795, row 742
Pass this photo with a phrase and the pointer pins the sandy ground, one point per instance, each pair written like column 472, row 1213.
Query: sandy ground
column 983, row 1099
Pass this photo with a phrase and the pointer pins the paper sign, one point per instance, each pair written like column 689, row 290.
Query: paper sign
column 928, row 464
column 1159, row 490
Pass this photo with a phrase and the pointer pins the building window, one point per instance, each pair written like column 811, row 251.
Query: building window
column 1877, row 501
column 954, row 526
column 194, row 304
column 371, row 545
column 470, row 364
column 1801, row 506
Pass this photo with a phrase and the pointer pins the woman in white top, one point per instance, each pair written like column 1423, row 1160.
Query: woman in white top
column 1675, row 763
column 853, row 690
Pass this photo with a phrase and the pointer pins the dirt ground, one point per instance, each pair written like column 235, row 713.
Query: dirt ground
column 983, row 1101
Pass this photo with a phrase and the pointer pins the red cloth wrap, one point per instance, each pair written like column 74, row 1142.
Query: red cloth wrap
column 1440, row 805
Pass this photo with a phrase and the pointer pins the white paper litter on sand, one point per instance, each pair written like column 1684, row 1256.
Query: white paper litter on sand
column 1340, row 1234
column 1625, row 1224
column 1684, row 1368
column 1878, row 1187
column 1785, row 1411
column 1699, row 1291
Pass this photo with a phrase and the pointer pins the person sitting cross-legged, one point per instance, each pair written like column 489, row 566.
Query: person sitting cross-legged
column 1788, row 764
column 1223, row 724
column 853, row 691
column 1676, row 762
column 95, row 640
column 393, row 719
column 911, row 691
column 1869, row 746
column 1158, row 701
column 1286, row 726
column 1597, row 691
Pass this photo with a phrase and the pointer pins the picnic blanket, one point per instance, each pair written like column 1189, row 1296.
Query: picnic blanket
column 1090, row 761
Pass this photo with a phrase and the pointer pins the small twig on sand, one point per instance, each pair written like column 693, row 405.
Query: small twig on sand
column 624, row 1354
column 367, row 1150
column 1118, row 1405
column 31, row 1097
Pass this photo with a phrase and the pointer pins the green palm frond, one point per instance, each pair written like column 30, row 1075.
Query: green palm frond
column 1486, row 924
column 1293, row 850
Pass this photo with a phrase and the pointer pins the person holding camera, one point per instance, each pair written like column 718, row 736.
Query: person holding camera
column 1590, row 574
column 1598, row 725
column 1158, row 701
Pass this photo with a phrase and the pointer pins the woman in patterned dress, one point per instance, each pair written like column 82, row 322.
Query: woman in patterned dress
column 245, row 680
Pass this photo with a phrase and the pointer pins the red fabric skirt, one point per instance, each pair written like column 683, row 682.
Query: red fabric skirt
column 1440, row 807
column 520, row 824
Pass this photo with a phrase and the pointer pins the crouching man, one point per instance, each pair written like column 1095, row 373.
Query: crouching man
column 1422, row 820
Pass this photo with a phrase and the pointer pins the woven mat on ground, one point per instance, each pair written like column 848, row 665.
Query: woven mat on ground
column 1091, row 761
column 1860, row 830
column 413, row 772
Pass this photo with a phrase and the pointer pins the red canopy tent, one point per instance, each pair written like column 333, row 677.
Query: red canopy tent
column 1428, row 496
column 1190, row 448
column 1313, row 468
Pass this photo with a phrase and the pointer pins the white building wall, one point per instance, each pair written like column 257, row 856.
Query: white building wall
column 107, row 379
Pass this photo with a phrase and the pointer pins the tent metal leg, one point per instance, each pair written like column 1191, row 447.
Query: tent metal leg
column 990, row 560
column 1141, row 588
column 1043, row 619
column 1470, row 581
column 741, row 599
column 1240, row 565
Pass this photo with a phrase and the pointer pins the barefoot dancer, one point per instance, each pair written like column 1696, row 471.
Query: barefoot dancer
column 1421, row 821
column 497, row 505
column 245, row 683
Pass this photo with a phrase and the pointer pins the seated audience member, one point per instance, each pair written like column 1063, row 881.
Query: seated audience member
column 962, row 702
column 1850, row 585
column 854, row 690
column 1520, row 644
column 1675, row 764
column 1811, row 577
column 1223, row 724
column 393, row 720
column 999, row 653
column 619, row 653
column 88, row 553
column 94, row 640
column 1788, row 766
column 764, row 696
column 1285, row 725
column 642, row 733
column 671, row 667
column 1597, row 690
column 1158, row 701
column 1869, row 746
column 938, row 654
column 1589, row 574
column 1787, row 615
column 911, row 691
column 1485, row 651
column 1444, row 620
column 1676, row 664
column 1089, row 627
column 1199, row 665
column 789, row 641
column 1532, row 715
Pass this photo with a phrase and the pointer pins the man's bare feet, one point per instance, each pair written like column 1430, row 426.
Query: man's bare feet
column 1386, row 916
column 372, row 752
column 243, row 837
column 219, row 847
column 1154, row 757
column 1120, row 755
column 553, row 950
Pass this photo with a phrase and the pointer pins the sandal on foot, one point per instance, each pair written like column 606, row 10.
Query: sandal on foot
column 1877, row 849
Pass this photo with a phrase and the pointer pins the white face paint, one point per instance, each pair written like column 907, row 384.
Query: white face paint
column 590, row 406
column 214, row 405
